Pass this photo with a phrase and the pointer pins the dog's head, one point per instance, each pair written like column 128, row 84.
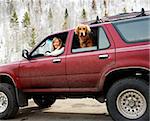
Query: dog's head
column 82, row 30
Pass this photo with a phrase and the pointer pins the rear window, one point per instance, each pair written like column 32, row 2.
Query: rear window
column 134, row 31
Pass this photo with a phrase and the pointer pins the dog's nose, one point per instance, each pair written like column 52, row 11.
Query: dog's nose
column 81, row 34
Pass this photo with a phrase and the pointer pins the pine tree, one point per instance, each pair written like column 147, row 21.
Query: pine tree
column 66, row 13
column 124, row 10
column 50, row 15
column 40, row 3
column 84, row 13
column 105, row 5
column 94, row 5
column 65, row 24
column 26, row 19
column 33, row 38
column 14, row 17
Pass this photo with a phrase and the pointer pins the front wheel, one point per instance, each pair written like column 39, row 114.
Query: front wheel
column 127, row 100
column 44, row 101
column 8, row 102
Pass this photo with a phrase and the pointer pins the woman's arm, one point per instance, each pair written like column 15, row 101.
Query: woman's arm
column 56, row 52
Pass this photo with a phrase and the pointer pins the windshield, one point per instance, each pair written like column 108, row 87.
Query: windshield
column 43, row 47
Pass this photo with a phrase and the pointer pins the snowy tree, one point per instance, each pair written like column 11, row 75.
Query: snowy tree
column 124, row 10
column 66, row 13
column 14, row 34
column 14, row 18
column 94, row 5
column 65, row 24
column 50, row 15
column 33, row 38
column 26, row 19
column 106, row 7
column 84, row 16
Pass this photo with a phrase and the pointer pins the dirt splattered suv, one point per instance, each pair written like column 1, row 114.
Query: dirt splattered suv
column 114, row 70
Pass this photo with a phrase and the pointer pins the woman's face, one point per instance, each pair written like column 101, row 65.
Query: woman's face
column 56, row 43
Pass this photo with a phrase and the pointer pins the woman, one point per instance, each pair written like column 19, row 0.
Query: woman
column 57, row 47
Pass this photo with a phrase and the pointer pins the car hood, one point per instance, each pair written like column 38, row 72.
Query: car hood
column 10, row 67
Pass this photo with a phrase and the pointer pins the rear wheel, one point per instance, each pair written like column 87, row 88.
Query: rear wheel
column 127, row 100
column 8, row 103
column 44, row 101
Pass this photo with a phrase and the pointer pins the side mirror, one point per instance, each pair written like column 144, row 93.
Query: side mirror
column 25, row 54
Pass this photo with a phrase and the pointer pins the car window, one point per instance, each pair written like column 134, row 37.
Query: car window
column 84, row 49
column 99, row 38
column 91, row 37
column 134, row 30
column 45, row 48
column 103, row 41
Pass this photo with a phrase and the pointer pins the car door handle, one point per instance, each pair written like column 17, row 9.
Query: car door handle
column 58, row 60
column 105, row 56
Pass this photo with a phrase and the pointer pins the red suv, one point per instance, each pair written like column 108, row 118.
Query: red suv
column 114, row 70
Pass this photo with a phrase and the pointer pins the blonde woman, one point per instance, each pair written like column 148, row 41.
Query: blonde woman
column 57, row 47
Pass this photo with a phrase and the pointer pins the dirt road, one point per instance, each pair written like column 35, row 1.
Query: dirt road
column 65, row 110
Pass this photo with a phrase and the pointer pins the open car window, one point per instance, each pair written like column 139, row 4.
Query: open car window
column 91, row 36
column 99, row 39
column 46, row 45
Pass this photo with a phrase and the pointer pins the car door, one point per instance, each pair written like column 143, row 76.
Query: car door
column 85, row 66
column 43, row 72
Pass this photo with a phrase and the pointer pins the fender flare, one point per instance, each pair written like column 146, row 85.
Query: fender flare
column 123, row 68
column 20, row 96
column 113, row 71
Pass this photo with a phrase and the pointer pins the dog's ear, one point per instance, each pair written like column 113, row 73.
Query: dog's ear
column 88, row 28
column 76, row 30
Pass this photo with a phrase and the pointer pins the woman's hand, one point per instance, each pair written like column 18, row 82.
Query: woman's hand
column 47, row 53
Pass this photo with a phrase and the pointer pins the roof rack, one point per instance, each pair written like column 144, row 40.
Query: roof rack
column 142, row 13
column 123, row 16
column 120, row 16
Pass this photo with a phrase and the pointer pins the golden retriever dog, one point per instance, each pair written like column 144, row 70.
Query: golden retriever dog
column 82, row 32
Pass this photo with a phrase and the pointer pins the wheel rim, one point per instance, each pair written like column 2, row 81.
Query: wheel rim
column 3, row 102
column 131, row 104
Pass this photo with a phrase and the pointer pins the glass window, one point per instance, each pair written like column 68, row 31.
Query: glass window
column 43, row 48
column 135, row 30
column 84, row 49
column 90, row 37
column 103, row 42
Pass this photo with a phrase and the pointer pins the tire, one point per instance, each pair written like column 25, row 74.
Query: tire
column 44, row 101
column 8, row 102
column 127, row 100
